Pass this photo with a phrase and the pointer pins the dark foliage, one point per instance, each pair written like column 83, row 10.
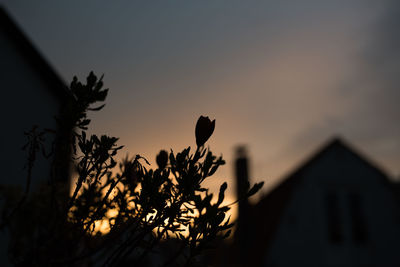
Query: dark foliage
column 142, row 206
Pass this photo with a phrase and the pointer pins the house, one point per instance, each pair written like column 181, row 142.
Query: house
column 32, row 94
column 336, row 209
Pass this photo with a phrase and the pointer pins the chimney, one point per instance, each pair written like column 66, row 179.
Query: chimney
column 242, row 182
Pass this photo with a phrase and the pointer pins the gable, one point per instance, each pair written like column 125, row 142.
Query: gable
column 334, row 204
column 12, row 35
column 335, row 166
column 339, row 165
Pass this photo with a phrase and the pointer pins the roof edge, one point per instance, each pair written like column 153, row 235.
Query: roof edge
column 32, row 54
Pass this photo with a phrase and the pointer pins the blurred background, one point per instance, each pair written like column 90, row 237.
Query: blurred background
column 280, row 77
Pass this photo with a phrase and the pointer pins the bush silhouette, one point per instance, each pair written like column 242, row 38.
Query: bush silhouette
column 142, row 206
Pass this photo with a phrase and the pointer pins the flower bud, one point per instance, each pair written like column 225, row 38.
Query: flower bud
column 162, row 159
column 204, row 129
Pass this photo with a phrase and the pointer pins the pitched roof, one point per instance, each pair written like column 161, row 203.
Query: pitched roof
column 270, row 208
column 32, row 55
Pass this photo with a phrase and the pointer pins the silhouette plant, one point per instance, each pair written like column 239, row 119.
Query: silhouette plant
column 143, row 207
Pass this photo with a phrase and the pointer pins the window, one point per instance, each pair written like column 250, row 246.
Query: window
column 358, row 225
column 333, row 217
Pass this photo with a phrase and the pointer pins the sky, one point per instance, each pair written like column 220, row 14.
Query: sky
column 280, row 77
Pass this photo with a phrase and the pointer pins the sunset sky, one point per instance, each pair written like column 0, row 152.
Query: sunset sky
column 281, row 77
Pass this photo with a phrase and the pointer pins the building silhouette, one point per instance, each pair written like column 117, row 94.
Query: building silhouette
column 336, row 209
column 33, row 94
